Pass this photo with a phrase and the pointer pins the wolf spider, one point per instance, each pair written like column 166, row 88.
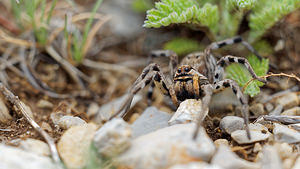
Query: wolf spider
column 199, row 76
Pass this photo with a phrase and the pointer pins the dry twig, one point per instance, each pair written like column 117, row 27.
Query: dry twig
column 21, row 107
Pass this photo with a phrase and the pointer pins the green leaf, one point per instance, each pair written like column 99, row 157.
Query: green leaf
column 241, row 75
column 182, row 46
column 141, row 5
column 183, row 11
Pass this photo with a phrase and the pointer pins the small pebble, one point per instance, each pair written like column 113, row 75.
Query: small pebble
column 92, row 109
column 230, row 124
column 66, row 122
column 295, row 111
column 269, row 107
column 44, row 104
column 288, row 101
column 283, row 133
column 278, row 109
column 257, row 109
column 220, row 142
column 35, row 146
column 257, row 148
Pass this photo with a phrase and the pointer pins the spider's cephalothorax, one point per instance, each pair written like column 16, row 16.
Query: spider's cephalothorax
column 197, row 77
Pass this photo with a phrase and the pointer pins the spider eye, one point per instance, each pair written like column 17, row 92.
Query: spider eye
column 179, row 70
column 187, row 69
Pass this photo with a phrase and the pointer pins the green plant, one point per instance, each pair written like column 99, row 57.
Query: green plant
column 222, row 19
column 182, row 46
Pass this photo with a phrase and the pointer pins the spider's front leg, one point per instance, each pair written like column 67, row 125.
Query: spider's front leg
column 233, row 59
column 151, row 72
column 221, row 85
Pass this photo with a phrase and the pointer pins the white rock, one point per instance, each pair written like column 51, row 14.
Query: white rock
column 271, row 159
column 229, row 160
column 283, row 133
column 44, row 104
column 257, row 148
column 92, row 109
column 15, row 158
column 219, row 142
column 113, row 137
column 35, row 146
column 4, row 113
column 167, row 147
column 151, row 119
column 288, row 100
column 195, row 165
column 295, row 111
column 188, row 111
column 258, row 132
column 107, row 110
column 283, row 149
column 297, row 164
column 230, row 124
column 74, row 145
column 66, row 122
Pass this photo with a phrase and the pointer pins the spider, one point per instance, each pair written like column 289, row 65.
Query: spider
column 198, row 76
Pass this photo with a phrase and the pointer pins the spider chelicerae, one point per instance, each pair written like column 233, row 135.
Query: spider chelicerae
column 198, row 76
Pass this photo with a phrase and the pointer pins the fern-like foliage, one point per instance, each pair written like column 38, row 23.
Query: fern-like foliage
column 267, row 14
column 241, row 75
column 182, row 11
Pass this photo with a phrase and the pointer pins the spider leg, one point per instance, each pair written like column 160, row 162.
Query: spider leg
column 230, row 41
column 221, row 85
column 208, row 92
column 218, row 75
column 173, row 62
column 152, row 71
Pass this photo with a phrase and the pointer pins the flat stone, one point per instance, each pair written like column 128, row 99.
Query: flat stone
column 257, row 109
column 258, row 132
column 74, row 145
column 288, row 100
column 227, row 159
column 219, row 142
column 44, row 104
column 151, row 119
column 4, row 113
column 286, row 134
column 188, row 111
column 36, row 146
column 166, row 147
column 295, row 111
column 113, row 137
column 107, row 110
column 66, row 122
column 230, row 124
column 271, row 159
column 195, row 165
column 16, row 158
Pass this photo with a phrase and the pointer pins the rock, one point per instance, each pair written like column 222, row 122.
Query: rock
column 284, row 150
column 36, row 146
column 258, row 132
column 269, row 107
column 44, row 104
column 166, row 147
column 188, row 111
column 271, row 159
column 219, row 142
column 283, row 133
column 295, row 111
column 92, row 109
column 74, row 145
column 297, row 164
column 195, row 165
column 229, row 160
column 277, row 110
column 4, row 113
column 113, row 137
column 66, row 122
column 151, row 119
column 15, row 158
column 288, row 100
column 295, row 126
column 230, row 124
column 257, row 148
column 107, row 110
column 45, row 126
column 257, row 109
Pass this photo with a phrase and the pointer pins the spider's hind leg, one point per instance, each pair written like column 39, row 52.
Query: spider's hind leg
column 221, row 85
